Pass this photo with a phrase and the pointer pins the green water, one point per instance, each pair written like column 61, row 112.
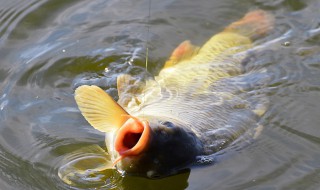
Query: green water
column 48, row 48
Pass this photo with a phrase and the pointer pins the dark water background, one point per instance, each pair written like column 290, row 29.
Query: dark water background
column 48, row 48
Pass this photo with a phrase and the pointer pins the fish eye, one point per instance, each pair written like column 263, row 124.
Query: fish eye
column 167, row 124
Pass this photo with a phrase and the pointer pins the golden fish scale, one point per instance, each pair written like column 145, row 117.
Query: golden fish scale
column 205, row 89
column 197, row 92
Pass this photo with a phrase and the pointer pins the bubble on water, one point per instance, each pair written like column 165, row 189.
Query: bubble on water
column 205, row 160
column 286, row 43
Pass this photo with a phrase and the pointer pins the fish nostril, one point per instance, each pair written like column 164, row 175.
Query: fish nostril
column 168, row 124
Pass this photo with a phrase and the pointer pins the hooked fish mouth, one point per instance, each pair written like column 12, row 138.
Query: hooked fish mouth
column 132, row 138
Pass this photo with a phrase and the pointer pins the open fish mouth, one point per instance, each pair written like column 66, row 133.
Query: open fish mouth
column 132, row 138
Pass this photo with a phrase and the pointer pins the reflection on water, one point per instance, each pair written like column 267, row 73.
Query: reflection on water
column 48, row 48
column 86, row 166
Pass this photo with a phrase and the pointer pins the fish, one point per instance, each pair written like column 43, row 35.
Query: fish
column 196, row 105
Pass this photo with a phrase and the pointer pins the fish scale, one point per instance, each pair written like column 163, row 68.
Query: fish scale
column 199, row 103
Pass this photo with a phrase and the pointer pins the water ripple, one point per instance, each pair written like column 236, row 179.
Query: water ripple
column 11, row 15
column 47, row 51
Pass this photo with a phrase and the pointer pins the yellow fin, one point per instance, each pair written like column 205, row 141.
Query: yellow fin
column 254, row 24
column 99, row 109
column 85, row 164
column 183, row 52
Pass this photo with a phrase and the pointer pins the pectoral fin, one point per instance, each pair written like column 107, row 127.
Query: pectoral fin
column 85, row 165
column 99, row 109
column 183, row 52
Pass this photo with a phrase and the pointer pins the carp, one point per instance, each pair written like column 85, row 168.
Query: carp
column 195, row 106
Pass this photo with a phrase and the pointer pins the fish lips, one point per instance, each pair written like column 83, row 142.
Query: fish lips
column 155, row 150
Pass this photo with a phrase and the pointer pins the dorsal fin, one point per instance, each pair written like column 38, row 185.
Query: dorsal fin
column 99, row 109
column 183, row 52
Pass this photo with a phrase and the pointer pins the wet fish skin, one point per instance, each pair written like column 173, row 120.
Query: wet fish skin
column 171, row 148
column 191, row 108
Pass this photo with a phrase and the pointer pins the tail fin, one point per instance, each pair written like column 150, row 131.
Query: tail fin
column 236, row 37
column 254, row 24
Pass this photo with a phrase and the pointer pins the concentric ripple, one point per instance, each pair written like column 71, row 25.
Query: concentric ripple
column 50, row 47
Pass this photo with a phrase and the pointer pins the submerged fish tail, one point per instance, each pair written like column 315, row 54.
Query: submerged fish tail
column 236, row 37
column 253, row 25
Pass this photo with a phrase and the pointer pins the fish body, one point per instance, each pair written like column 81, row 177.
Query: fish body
column 195, row 106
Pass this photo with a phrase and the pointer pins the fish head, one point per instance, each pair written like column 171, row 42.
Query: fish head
column 155, row 148
column 143, row 145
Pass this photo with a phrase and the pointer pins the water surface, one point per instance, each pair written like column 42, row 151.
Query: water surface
column 49, row 47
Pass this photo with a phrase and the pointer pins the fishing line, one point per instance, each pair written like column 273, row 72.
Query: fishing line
column 147, row 42
column 148, row 33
